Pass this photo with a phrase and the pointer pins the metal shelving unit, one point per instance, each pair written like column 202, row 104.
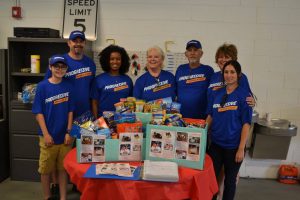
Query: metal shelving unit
column 4, row 135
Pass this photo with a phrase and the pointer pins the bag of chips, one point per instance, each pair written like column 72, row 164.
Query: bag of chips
column 28, row 92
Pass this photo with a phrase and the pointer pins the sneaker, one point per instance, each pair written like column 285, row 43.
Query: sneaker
column 54, row 191
column 74, row 188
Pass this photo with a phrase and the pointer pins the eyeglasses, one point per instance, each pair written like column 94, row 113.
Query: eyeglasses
column 224, row 99
column 60, row 66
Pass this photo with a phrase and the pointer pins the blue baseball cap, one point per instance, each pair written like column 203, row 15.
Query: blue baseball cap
column 56, row 59
column 194, row 43
column 76, row 34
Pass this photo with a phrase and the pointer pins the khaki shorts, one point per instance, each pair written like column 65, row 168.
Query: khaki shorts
column 51, row 158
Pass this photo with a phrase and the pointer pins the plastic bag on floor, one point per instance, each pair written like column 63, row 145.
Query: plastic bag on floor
column 288, row 174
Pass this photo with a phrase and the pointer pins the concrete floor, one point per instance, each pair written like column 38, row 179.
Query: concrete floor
column 16, row 190
column 248, row 189
column 265, row 189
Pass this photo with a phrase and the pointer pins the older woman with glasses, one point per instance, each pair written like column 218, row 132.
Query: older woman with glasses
column 229, row 119
column 155, row 83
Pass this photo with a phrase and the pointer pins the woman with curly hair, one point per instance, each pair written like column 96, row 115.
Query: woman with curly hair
column 225, row 53
column 113, row 84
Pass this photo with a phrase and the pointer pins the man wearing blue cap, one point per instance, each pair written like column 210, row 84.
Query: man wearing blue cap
column 53, row 106
column 192, row 80
column 81, row 72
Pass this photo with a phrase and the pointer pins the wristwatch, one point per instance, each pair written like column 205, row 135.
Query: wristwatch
column 68, row 131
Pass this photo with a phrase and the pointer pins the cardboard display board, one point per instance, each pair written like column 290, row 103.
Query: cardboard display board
column 145, row 118
column 112, row 151
column 185, row 146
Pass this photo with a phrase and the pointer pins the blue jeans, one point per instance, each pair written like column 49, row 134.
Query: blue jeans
column 225, row 157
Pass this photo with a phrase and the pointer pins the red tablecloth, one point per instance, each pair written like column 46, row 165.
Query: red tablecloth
column 193, row 184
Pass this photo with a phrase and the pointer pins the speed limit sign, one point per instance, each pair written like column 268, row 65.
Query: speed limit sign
column 81, row 15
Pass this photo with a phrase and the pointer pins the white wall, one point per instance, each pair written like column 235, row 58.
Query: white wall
column 266, row 32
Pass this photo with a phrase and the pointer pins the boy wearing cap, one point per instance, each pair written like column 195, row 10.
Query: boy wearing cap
column 81, row 72
column 192, row 80
column 53, row 106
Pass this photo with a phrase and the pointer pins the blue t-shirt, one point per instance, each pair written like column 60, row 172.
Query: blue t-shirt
column 54, row 101
column 216, row 82
column 108, row 90
column 150, row 88
column 192, row 90
column 227, row 121
column 81, row 74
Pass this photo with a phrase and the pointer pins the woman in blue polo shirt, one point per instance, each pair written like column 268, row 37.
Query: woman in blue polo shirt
column 113, row 84
column 155, row 83
column 225, row 53
column 229, row 118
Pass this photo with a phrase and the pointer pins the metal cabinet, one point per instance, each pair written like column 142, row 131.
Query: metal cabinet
column 4, row 147
column 24, row 121
column 24, row 169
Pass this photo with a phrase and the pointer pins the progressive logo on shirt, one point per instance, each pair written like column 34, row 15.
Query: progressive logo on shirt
column 57, row 99
column 216, row 86
column 158, row 86
column 80, row 73
column 231, row 105
column 192, row 78
column 117, row 87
